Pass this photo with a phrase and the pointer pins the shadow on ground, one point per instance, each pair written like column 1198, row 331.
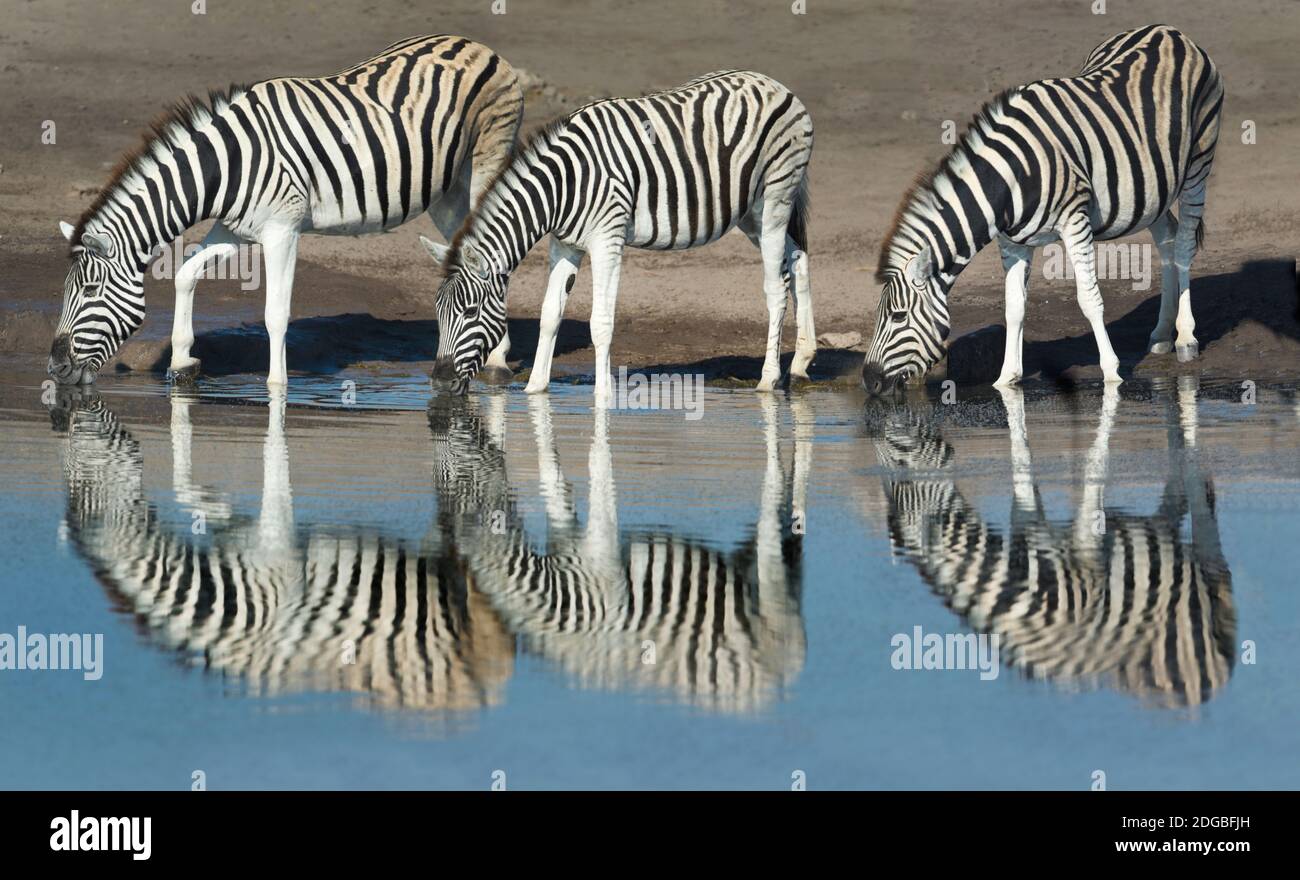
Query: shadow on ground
column 331, row 343
column 1247, row 323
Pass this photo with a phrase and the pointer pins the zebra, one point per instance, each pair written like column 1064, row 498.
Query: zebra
column 422, row 126
column 1113, row 598
column 672, row 170
column 1087, row 158
column 274, row 608
column 635, row 609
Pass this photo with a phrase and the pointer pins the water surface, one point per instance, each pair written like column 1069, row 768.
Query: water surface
column 366, row 591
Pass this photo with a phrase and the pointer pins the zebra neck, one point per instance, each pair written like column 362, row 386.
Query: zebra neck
column 520, row 209
column 171, row 185
column 955, row 213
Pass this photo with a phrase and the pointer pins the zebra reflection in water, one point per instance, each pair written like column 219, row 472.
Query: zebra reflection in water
column 276, row 608
column 643, row 610
column 1112, row 598
column 434, row 625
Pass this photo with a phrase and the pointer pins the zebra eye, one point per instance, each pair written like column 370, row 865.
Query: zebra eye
column 898, row 317
column 92, row 290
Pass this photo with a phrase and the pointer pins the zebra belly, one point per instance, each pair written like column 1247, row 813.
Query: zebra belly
column 1122, row 223
column 643, row 233
column 328, row 220
column 1102, row 232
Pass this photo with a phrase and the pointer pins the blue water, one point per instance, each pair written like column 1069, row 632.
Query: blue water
column 798, row 538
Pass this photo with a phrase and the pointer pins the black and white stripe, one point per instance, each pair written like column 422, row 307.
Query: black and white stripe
column 671, row 170
column 718, row 629
column 1110, row 598
column 421, row 126
column 274, row 609
column 1103, row 154
column 429, row 625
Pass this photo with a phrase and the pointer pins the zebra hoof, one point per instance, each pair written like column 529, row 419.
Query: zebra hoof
column 496, row 376
column 1188, row 352
column 186, row 375
column 799, row 383
column 1160, row 347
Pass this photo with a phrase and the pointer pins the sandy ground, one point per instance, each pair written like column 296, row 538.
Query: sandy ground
column 880, row 79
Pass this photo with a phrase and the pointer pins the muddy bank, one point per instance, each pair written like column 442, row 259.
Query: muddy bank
column 878, row 115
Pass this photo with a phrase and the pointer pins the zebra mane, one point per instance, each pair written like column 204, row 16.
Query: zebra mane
column 523, row 152
column 921, row 194
column 167, row 131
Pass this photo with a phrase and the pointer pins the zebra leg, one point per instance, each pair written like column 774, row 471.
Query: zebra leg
column 1016, row 260
column 1024, row 490
column 280, row 250
column 565, row 262
column 600, row 539
column 1191, row 205
column 219, row 244
column 1163, row 231
column 796, row 264
column 1090, row 523
column 805, row 429
column 561, row 515
column 1076, row 234
column 275, row 519
column 605, row 264
column 769, row 533
column 203, row 504
column 772, row 244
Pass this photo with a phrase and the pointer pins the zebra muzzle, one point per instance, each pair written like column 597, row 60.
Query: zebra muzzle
column 62, row 366
column 445, row 379
column 877, row 384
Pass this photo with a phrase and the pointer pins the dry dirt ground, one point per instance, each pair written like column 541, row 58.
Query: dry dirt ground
column 879, row 78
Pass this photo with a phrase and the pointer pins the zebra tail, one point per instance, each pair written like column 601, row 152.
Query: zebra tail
column 797, row 228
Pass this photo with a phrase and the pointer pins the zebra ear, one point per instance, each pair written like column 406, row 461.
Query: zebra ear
column 97, row 244
column 918, row 269
column 474, row 261
column 439, row 252
column 67, row 229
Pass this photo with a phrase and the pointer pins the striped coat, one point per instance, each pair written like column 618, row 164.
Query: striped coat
column 422, row 126
column 1106, row 153
column 671, row 170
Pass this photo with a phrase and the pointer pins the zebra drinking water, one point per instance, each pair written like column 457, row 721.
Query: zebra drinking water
column 672, row 170
column 1087, row 158
column 422, row 126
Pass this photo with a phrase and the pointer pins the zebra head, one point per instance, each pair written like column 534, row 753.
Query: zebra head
column 471, row 308
column 911, row 326
column 103, row 304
